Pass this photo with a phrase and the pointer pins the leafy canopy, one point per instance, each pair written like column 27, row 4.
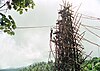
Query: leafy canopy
column 88, row 65
column 92, row 65
column 7, row 23
column 42, row 66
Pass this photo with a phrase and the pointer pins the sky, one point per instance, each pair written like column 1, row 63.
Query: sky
column 28, row 46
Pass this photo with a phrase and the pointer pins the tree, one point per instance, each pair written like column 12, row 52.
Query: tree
column 42, row 66
column 88, row 65
column 7, row 23
column 92, row 65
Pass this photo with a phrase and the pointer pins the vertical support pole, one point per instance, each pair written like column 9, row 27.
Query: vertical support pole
column 67, row 49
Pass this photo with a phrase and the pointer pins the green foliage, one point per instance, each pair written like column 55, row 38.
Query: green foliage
column 20, row 5
column 97, row 66
column 42, row 66
column 7, row 24
column 89, row 65
column 92, row 65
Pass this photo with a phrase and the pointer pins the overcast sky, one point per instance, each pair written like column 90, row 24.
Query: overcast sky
column 32, row 45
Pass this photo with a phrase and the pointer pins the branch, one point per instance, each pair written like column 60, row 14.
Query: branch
column 3, row 5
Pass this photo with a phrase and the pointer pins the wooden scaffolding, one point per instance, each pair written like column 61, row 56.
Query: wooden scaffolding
column 68, row 50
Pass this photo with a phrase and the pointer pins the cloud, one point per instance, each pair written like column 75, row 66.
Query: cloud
column 29, row 45
column 32, row 45
column 12, row 55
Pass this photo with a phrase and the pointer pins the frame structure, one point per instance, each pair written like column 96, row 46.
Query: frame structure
column 68, row 49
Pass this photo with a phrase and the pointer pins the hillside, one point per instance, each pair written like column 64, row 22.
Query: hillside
column 17, row 69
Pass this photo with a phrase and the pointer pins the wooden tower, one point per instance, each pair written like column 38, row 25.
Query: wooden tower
column 68, row 50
